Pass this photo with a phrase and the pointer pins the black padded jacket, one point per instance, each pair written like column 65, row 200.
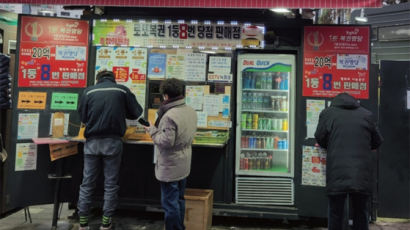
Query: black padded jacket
column 349, row 134
column 105, row 106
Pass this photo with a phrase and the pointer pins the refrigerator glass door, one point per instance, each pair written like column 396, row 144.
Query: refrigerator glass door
column 265, row 103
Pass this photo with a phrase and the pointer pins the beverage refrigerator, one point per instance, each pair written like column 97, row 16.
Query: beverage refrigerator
column 264, row 161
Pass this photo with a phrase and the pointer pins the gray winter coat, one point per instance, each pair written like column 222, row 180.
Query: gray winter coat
column 173, row 140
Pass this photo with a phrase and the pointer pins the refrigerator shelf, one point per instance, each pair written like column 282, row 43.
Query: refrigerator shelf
column 257, row 171
column 264, row 111
column 264, row 131
column 267, row 90
column 265, row 150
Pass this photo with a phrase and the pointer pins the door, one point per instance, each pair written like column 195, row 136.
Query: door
column 394, row 158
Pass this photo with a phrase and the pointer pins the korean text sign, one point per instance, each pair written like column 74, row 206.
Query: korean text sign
column 336, row 59
column 53, row 52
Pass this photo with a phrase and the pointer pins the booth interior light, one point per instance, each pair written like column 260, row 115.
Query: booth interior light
column 180, row 21
column 207, row 22
column 154, row 21
column 103, row 20
column 234, row 22
column 246, row 24
column 142, row 20
column 128, row 20
column 188, row 47
column 162, row 46
column 116, row 20
column 208, row 51
column 194, row 21
column 167, row 21
column 220, row 22
column 280, row 10
column 201, row 47
column 361, row 18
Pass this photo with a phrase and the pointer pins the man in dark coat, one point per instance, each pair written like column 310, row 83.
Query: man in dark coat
column 103, row 109
column 348, row 132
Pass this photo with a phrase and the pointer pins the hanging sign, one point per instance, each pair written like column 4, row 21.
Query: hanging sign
column 181, row 34
column 53, row 52
column 336, row 59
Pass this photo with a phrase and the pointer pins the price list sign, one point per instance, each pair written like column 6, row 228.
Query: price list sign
column 53, row 52
column 336, row 59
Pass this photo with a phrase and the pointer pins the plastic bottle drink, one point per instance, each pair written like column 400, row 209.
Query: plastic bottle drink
column 266, row 100
column 266, row 161
column 254, row 100
column 243, row 120
column 245, row 80
column 268, row 81
column 263, row 80
column 257, row 80
column 259, row 101
column 284, row 104
column 270, row 161
column 285, row 144
column 286, row 81
column 244, row 101
column 276, row 142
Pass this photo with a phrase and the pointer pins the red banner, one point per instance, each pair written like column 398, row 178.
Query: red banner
column 336, row 59
column 267, row 4
column 53, row 52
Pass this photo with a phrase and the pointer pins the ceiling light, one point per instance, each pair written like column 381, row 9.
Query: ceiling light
column 361, row 18
column 280, row 10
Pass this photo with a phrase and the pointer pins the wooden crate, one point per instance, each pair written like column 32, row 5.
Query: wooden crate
column 198, row 209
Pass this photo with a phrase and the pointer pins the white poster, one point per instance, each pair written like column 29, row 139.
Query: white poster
column 26, row 156
column 313, row 109
column 27, row 127
column 195, row 67
column 104, row 59
column 219, row 64
column 202, row 119
column 313, row 166
column 194, row 96
column 175, row 66
column 212, row 104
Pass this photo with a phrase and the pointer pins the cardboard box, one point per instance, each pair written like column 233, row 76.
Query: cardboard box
column 198, row 209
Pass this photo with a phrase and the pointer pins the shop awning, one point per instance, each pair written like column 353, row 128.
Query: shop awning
column 251, row 4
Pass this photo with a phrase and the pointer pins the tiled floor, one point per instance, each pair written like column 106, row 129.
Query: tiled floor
column 41, row 220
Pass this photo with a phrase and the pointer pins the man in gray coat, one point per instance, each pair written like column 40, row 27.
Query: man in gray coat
column 172, row 135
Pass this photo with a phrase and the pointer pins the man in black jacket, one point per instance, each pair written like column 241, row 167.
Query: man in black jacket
column 103, row 109
column 348, row 132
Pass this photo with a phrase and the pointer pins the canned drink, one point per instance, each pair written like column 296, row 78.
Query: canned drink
column 243, row 120
column 285, row 144
column 255, row 117
column 260, row 125
column 246, row 163
column 280, row 124
column 285, row 124
column 249, row 121
column 276, row 143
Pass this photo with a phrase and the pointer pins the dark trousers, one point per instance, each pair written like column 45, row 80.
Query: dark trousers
column 360, row 212
column 173, row 203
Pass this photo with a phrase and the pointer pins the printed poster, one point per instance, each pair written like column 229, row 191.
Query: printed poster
column 157, row 65
column 27, row 127
column 336, row 59
column 32, row 100
column 314, row 166
column 104, row 59
column 219, row 64
column 176, row 66
column 212, row 104
column 313, row 109
column 129, row 65
column 53, row 52
column 202, row 119
column 26, row 157
column 194, row 96
column 64, row 101
column 195, row 67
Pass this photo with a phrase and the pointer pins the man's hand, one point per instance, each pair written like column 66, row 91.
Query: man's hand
column 147, row 128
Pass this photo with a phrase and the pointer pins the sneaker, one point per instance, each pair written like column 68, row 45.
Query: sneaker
column 106, row 227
